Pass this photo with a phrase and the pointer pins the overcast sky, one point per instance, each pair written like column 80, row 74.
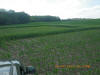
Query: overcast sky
column 62, row 8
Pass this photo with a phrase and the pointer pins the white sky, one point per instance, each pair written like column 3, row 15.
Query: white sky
column 62, row 8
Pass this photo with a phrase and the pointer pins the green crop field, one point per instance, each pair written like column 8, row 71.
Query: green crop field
column 46, row 44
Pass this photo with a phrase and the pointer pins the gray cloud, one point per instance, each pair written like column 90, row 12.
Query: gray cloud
column 62, row 8
column 93, row 12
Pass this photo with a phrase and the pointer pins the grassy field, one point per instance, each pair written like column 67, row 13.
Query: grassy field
column 46, row 44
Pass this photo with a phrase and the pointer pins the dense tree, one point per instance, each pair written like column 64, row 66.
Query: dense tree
column 44, row 18
column 3, row 10
column 12, row 17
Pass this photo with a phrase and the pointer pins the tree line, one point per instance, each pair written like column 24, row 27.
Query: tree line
column 12, row 17
column 44, row 18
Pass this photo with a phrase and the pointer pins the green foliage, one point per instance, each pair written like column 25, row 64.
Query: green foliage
column 83, row 21
column 44, row 18
column 12, row 17
column 54, row 43
column 37, row 29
